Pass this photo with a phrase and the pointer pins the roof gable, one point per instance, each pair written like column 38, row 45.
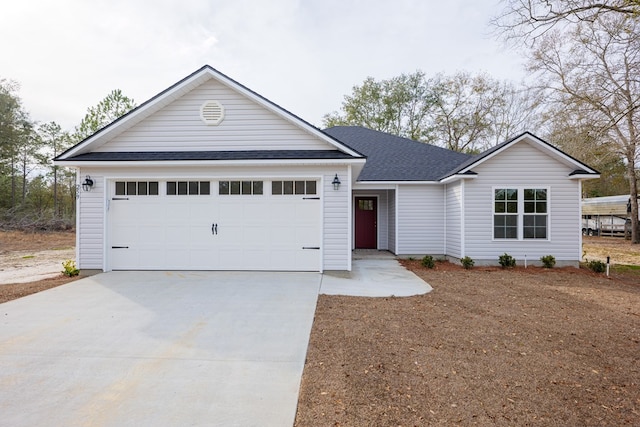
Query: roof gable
column 128, row 127
column 579, row 169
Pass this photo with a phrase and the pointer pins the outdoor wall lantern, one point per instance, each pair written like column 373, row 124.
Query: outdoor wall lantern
column 336, row 182
column 87, row 184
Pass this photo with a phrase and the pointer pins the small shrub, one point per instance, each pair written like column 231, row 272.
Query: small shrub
column 411, row 258
column 70, row 268
column 507, row 261
column 428, row 261
column 467, row 262
column 597, row 266
column 548, row 261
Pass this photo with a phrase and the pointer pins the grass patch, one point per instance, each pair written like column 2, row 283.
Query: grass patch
column 626, row 269
column 28, row 256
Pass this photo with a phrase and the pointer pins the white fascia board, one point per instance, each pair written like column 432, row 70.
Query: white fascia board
column 155, row 163
column 457, row 177
column 392, row 184
column 584, row 176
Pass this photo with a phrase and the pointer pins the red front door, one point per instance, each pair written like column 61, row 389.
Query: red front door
column 366, row 223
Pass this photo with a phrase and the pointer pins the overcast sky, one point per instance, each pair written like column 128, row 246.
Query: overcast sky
column 304, row 55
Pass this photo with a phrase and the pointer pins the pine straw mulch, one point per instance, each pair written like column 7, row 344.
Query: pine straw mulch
column 485, row 347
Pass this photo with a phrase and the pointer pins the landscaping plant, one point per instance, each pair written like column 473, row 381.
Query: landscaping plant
column 428, row 261
column 597, row 266
column 467, row 262
column 548, row 261
column 507, row 261
column 70, row 268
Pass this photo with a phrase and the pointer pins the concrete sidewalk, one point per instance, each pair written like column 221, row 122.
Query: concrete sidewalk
column 374, row 276
column 158, row 349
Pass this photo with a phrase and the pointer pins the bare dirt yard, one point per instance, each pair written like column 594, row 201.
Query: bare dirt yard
column 486, row 347
column 32, row 262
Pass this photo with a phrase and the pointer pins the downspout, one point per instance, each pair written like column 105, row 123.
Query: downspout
column 350, row 218
column 579, row 220
column 397, row 239
column 462, row 221
column 444, row 249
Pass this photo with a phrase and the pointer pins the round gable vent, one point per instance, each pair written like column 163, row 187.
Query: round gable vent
column 212, row 113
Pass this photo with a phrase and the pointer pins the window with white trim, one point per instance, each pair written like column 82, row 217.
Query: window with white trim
column 520, row 213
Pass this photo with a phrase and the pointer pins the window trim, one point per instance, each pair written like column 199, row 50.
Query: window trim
column 520, row 214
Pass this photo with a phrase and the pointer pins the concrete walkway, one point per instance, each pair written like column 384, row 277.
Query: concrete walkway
column 157, row 349
column 374, row 275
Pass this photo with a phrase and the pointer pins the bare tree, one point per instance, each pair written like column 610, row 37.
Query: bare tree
column 593, row 69
column 474, row 112
column 526, row 20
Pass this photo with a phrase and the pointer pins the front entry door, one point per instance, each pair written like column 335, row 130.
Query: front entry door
column 366, row 223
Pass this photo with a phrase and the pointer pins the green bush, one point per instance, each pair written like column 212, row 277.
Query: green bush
column 70, row 268
column 467, row 262
column 597, row 266
column 507, row 261
column 428, row 261
column 548, row 261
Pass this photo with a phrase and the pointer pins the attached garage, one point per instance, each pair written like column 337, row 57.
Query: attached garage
column 209, row 175
column 202, row 224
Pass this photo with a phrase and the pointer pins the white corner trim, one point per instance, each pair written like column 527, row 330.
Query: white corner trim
column 462, row 221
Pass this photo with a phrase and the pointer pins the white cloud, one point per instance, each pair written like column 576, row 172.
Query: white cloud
column 304, row 55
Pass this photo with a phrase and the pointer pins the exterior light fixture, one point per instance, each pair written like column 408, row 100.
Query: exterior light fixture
column 87, row 184
column 336, row 182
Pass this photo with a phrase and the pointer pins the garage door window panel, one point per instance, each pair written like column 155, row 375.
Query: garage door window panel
column 191, row 188
column 246, row 188
column 136, row 188
column 279, row 188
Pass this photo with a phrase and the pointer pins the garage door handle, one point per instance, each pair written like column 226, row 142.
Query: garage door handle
column 214, row 229
column 311, row 198
column 120, row 198
column 311, row 247
column 119, row 247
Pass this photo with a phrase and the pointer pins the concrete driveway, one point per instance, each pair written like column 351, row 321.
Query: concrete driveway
column 157, row 348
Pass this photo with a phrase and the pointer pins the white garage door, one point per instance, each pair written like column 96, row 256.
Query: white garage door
column 214, row 225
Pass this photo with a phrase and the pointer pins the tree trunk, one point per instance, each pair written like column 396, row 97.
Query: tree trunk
column 55, row 192
column 633, row 194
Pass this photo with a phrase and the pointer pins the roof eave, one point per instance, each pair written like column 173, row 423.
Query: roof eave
column 165, row 163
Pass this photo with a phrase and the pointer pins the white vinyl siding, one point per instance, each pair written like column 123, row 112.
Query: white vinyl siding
column 453, row 217
column 420, row 219
column 246, row 126
column 337, row 249
column 91, row 223
column 523, row 166
column 382, row 222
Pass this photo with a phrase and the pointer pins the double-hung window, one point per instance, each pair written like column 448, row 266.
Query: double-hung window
column 520, row 213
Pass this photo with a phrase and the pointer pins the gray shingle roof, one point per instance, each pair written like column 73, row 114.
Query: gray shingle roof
column 393, row 158
column 211, row 155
